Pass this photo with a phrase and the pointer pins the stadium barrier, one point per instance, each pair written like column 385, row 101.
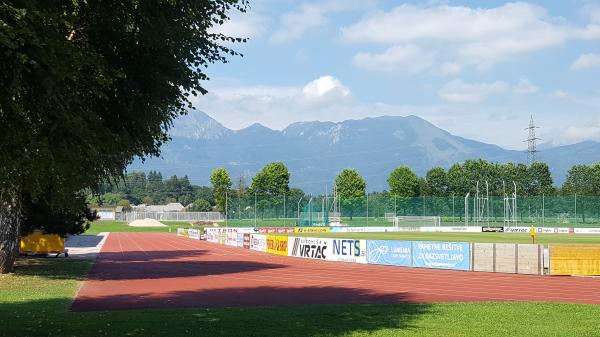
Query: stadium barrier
column 441, row 255
column 182, row 232
column 310, row 248
column 277, row 245
column 574, row 259
column 246, row 240
column 312, row 229
column 258, row 242
column 508, row 258
column 348, row 250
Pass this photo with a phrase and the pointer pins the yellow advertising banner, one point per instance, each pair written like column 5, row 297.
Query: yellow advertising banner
column 277, row 245
column 312, row 229
column 574, row 259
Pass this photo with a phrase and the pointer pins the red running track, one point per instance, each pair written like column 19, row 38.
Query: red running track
column 152, row 270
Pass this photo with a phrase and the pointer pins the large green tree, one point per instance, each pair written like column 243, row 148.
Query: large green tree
column 436, row 182
column 351, row 189
column 221, row 182
column 403, row 182
column 272, row 180
column 86, row 86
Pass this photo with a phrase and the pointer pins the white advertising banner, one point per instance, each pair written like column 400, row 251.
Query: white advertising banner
column 587, row 230
column 459, row 229
column 194, row 233
column 348, row 250
column 310, row 248
column 258, row 242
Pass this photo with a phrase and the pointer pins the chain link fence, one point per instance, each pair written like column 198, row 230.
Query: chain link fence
column 379, row 210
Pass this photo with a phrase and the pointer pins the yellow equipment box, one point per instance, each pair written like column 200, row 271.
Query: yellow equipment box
column 39, row 243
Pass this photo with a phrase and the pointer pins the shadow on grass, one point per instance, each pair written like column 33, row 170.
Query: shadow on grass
column 52, row 268
column 303, row 320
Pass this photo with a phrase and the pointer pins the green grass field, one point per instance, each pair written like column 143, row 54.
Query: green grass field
column 119, row 226
column 35, row 301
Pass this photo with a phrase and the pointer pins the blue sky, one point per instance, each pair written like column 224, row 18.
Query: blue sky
column 478, row 69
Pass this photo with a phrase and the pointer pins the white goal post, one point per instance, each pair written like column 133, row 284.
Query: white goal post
column 417, row 221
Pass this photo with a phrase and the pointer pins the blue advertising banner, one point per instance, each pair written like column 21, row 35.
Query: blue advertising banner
column 392, row 253
column 443, row 255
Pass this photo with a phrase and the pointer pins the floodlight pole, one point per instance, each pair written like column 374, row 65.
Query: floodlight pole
column 254, row 209
column 226, row 222
column 367, row 209
column 467, row 209
column 452, row 209
column 299, row 201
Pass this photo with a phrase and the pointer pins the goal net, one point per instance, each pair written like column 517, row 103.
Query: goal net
column 417, row 221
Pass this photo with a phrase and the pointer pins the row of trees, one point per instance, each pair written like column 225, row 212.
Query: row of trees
column 139, row 188
column 273, row 181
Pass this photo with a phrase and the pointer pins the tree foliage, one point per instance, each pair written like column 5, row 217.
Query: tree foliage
column 403, row 182
column 272, row 180
column 351, row 189
column 86, row 86
column 221, row 186
column 201, row 205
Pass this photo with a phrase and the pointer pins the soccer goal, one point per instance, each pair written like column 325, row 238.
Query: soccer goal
column 417, row 221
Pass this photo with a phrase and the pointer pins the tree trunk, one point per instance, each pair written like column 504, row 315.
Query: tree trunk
column 10, row 223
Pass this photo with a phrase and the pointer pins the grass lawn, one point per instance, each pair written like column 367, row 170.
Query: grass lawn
column 35, row 300
column 464, row 237
column 119, row 226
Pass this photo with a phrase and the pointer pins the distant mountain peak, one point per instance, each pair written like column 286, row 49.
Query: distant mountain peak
column 198, row 125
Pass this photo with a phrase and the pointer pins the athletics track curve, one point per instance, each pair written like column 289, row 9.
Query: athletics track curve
column 160, row 270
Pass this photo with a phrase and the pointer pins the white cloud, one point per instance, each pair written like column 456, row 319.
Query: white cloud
column 479, row 36
column 294, row 24
column 450, row 68
column 243, row 25
column 525, row 87
column 325, row 87
column 586, row 132
column 586, row 61
column 406, row 58
column 458, row 91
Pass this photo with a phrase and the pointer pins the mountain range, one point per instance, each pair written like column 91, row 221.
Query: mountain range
column 315, row 152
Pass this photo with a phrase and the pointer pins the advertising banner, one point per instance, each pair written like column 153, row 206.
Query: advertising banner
column 348, row 250
column 258, row 242
column 194, row 233
column 231, row 236
column 212, row 235
column 247, row 240
column 492, row 229
column 277, row 245
column 310, row 248
column 240, row 240
column 280, row 230
column 574, row 259
column 460, row 229
column 551, row 230
column 312, row 229
column 363, row 229
column 388, row 252
column 182, row 232
column 443, row 255
column 587, row 230
column 516, row 229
